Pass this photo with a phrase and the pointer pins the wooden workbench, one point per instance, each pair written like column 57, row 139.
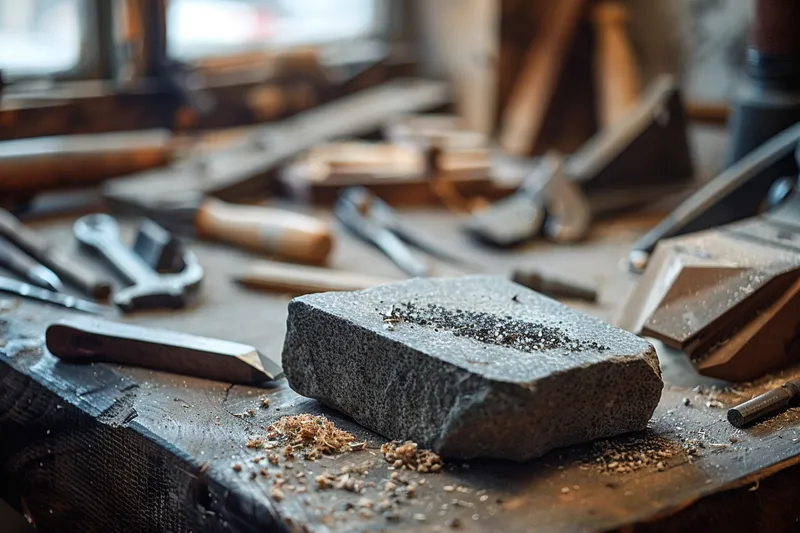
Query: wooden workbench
column 103, row 448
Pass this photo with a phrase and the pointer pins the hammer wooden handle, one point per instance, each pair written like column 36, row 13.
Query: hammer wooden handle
column 266, row 230
column 298, row 280
column 616, row 74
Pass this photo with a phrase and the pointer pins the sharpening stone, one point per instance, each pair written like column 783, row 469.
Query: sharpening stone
column 470, row 367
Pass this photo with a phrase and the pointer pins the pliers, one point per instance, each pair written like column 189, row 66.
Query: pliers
column 373, row 220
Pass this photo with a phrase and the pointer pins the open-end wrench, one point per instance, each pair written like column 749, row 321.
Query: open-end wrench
column 149, row 289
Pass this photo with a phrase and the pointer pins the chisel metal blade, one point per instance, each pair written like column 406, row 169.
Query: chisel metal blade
column 87, row 339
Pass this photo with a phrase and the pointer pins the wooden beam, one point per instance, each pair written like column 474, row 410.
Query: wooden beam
column 533, row 91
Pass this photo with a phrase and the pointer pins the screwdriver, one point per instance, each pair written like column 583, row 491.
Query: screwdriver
column 15, row 260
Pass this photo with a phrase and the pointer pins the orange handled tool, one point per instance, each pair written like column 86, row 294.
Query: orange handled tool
column 266, row 230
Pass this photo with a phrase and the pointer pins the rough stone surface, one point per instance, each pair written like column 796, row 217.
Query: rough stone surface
column 470, row 367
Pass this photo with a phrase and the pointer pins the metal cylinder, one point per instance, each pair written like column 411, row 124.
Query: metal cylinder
column 760, row 406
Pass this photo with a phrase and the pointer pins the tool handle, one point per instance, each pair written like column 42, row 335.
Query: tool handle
column 266, row 230
column 299, row 280
column 616, row 74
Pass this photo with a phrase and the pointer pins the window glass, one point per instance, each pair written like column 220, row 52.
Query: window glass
column 40, row 36
column 199, row 28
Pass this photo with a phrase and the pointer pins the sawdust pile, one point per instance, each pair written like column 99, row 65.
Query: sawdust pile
column 630, row 454
column 407, row 455
column 313, row 436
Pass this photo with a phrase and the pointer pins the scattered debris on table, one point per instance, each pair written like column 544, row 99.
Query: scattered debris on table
column 487, row 328
column 633, row 453
column 313, row 436
column 408, row 455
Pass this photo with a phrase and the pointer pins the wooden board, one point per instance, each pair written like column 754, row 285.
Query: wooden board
column 533, row 91
column 245, row 165
column 107, row 448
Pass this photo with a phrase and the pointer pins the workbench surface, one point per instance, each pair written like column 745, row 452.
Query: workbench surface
column 106, row 448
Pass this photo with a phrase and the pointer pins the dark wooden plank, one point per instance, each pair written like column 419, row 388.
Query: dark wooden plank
column 106, row 448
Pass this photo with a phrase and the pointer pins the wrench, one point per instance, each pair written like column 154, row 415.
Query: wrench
column 149, row 289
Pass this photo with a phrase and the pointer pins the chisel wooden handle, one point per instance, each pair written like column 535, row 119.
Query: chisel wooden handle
column 299, row 280
column 266, row 230
column 616, row 75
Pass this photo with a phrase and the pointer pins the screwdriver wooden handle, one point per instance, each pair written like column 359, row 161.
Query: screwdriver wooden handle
column 299, row 280
column 616, row 74
column 265, row 230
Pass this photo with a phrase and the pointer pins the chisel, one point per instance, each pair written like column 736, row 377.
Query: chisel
column 86, row 339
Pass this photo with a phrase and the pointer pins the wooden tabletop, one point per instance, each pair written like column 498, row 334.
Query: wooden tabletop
column 109, row 448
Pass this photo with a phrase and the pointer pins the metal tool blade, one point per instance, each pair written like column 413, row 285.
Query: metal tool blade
column 353, row 210
column 85, row 339
column 26, row 290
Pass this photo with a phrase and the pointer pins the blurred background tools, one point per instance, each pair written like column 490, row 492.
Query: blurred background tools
column 554, row 287
column 25, row 290
column 61, row 262
column 764, row 130
column 375, row 222
column 277, row 232
column 302, row 279
column 148, row 288
column 764, row 404
column 739, row 191
column 641, row 156
column 728, row 297
column 29, row 166
column 86, row 340
column 21, row 264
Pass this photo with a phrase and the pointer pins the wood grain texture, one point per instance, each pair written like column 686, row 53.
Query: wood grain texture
column 108, row 448
column 617, row 75
column 527, row 106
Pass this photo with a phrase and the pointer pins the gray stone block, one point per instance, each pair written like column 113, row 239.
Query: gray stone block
column 470, row 367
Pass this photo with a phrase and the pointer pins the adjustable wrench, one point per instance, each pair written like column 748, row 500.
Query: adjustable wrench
column 149, row 289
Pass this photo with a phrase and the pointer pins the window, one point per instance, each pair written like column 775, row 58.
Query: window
column 40, row 36
column 199, row 28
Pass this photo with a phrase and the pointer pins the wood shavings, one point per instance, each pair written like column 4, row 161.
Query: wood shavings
column 625, row 455
column 408, row 456
column 314, row 435
column 339, row 481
